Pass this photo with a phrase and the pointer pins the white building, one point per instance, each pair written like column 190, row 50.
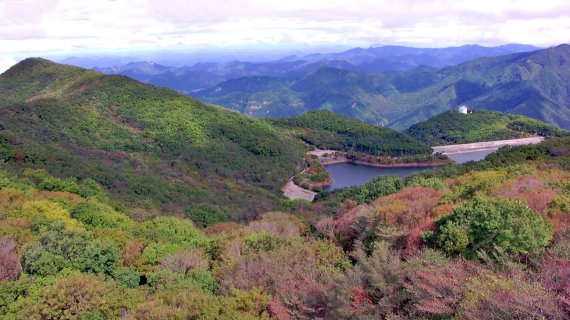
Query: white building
column 463, row 109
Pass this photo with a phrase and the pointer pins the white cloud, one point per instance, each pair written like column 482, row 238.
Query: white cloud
column 6, row 63
column 30, row 27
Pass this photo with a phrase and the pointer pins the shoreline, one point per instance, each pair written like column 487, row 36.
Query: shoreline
column 343, row 159
column 392, row 165
column 293, row 191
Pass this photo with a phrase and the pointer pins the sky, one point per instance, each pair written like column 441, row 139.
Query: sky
column 83, row 27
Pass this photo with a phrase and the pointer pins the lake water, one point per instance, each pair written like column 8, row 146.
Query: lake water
column 350, row 174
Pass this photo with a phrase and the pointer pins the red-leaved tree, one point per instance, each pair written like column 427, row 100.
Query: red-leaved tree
column 10, row 268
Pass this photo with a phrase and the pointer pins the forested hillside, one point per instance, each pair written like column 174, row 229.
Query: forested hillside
column 480, row 240
column 328, row 130
column 533, row 84
column 94, row 167
column 151, row 148
column 480, row 125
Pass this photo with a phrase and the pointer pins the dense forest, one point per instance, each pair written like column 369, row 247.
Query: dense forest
column 480, row 125
column 534, row 84
column 152, row 148
column 328, row 130
column 472, row 241
column 117, row 201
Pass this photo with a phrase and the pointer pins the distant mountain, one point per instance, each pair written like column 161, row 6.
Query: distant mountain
column 480, row 125
column 187, row 79
column 399, row 58
column 97, row 61
column 534, row 84
column 151, row 148
column 183, row 79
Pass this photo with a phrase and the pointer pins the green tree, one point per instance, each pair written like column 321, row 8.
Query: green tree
column 94, row 214
column 170, row 229
column 127, row 277
column 378, row 187
column 207, row 215
column 493, row 226
column 75, row 296
column 58, row 248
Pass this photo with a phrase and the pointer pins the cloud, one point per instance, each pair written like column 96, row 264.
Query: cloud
column 41, row 26
column 6, row 63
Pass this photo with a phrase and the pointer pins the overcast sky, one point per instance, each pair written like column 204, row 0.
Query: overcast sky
column 75, row 27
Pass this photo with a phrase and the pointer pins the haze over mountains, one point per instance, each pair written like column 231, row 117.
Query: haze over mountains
column 533, row 84
column 388, row 86
column 97, row 171
column 194, row 76
column 259, row 160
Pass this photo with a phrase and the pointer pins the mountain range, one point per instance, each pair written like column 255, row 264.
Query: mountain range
column 117, row 200
column 205, row 74
column 158, row 150
column 123, row 200
column 534, row 84
column 387, row 86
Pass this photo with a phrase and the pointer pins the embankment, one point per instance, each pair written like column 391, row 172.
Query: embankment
column 482, row 146
column 293, row 191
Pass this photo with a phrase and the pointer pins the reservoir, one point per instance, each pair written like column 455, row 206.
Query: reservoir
column 351, row 174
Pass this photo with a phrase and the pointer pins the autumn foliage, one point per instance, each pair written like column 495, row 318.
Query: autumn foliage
column 10, row 268
column 491, row 242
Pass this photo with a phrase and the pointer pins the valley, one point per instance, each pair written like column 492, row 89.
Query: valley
column 532, row 84
column 284, row 160
column 124, row 200
column 345, row 172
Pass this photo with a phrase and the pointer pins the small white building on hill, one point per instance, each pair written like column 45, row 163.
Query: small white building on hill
column 463, row 109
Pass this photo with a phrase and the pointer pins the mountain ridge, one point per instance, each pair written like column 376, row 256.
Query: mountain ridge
column 532, row 84
column 478, row 126
column 150, row 147
column 189, row 78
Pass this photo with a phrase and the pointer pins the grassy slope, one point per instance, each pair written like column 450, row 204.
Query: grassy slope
column 454, row 127
column 150, row 147
column 328, row 130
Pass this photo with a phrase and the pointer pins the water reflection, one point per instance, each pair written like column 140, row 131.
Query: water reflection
column 350, row 174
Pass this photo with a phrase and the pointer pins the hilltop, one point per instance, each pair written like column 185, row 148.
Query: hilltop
column 328, row 130
column 151, row 148
column 480, row 125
